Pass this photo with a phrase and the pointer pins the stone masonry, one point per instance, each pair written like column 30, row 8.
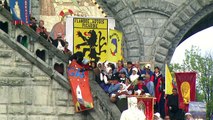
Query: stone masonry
column 27, row 93
column 154, row 28
column 30, row 88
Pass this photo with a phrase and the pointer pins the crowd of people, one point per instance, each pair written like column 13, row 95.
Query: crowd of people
column 60, row 43
column 119, row 81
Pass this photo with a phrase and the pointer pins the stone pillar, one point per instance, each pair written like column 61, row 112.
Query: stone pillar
column 35, row 9
column 47, row 8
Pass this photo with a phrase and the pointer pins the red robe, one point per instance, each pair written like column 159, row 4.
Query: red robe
column 157, row 82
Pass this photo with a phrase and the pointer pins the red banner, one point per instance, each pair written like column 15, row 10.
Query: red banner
column 79, row 83
column 149, row 103
column 186, row 82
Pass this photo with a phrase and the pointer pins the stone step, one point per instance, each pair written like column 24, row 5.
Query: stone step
column 5, row 53
column 9, row 71
column 14, row 81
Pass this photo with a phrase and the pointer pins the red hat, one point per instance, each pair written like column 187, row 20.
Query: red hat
column 65, row 12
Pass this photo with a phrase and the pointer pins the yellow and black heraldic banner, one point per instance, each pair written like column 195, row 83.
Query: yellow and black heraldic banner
column 90, row 37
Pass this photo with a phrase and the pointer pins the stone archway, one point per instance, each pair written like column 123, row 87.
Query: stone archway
column 185, row 18
column 126, row 23
column 140, row 35
column 178, row 25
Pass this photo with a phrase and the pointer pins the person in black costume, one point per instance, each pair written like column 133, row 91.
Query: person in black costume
column 173, row 106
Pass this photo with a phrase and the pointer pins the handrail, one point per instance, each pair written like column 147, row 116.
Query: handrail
column 34, row 60
column 108, row 112
column 36, row 37
column 44, row 42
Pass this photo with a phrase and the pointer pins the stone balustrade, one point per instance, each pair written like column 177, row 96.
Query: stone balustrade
column 30, row 88
column 36, row 43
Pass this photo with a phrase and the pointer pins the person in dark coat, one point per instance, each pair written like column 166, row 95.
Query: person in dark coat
column 173, row 106
column 129, row 68
column 161, row 103
column 57, row 40
column 33, row 24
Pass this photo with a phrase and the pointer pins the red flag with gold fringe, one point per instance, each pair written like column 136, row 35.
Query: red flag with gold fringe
column 186, row 82
column 79, row 83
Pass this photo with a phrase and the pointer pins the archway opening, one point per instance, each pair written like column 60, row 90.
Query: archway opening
column 201, row 39
column 204, row 23
column 200, row 30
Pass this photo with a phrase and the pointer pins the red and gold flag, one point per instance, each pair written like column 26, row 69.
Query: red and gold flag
column 79, row 83
column 186, row 82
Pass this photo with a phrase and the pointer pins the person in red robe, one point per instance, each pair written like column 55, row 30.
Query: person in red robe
column 156, row 79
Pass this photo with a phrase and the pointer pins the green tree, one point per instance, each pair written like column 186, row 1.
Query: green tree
column 203, row 65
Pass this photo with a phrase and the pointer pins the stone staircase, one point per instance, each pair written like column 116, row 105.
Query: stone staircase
column 31, row 89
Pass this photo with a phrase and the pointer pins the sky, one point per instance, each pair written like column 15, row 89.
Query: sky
column 202, row 39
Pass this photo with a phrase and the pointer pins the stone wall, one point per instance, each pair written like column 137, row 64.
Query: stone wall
column 35, row 9
column 154, row 28
column 140, row 21
column 49, row 11
column 28, row 82
column 176, row 2
column 27, row 93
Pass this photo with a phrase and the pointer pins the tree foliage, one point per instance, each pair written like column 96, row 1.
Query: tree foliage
column 203, row 65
